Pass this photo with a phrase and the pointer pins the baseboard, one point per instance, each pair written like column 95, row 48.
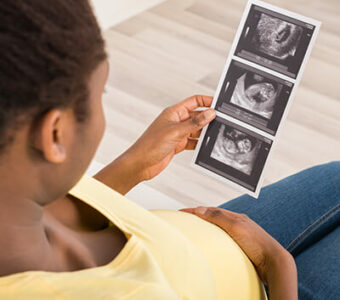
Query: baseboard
column 111, row 13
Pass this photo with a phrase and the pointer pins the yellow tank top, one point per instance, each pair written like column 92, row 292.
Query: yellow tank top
column 169, row 255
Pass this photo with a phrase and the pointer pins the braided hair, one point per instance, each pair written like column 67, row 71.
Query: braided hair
column 48, row 49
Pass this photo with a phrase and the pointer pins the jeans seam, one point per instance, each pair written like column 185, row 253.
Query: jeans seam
column 313, row 227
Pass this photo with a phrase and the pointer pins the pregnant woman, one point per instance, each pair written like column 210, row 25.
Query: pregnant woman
column 64, row 235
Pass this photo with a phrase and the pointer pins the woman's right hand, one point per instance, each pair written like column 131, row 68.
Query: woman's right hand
column 275, row 265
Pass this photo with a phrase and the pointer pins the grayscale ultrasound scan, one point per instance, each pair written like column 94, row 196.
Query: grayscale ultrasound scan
column 254, row 96
column 276, row 37
column 252, row 92
column 234, row 153
column 236, row 149
column 274, row 40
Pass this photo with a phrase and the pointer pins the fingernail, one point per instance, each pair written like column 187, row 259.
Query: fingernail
column 201, row 210
column 210, row 113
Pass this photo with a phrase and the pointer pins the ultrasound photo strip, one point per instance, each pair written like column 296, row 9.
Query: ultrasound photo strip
column 259, row 81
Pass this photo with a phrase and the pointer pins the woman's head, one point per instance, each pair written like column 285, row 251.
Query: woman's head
column 52, row 73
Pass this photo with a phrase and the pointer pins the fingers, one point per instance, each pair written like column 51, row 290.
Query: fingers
column 194, row 113
column 191, row 144
column 196, row 134
column 195, row 210
column 197, row 122
column 218, row 216
column 236, row 225
column 194, row 102
column 200, row 210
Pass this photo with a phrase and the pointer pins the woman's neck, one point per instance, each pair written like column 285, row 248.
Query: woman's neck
column 22, row 231
column 23, row 240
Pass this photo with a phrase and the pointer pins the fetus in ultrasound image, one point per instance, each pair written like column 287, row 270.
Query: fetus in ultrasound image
column 276, row 37
column 255, row 93
column 236, row 149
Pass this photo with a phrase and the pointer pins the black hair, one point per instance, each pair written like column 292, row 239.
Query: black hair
column 48, row 49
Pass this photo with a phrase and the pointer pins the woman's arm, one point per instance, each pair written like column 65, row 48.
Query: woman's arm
column 282, row 277
column 176, row 129
column 275, row 266
column 122, row 174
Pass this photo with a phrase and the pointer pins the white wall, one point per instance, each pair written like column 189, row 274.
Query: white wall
column 112, row 12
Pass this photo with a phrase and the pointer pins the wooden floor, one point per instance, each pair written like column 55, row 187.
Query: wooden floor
column 178, row 49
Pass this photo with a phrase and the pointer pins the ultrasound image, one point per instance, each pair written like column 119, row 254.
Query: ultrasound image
column 276, row 37
column 236, row 149
column 253, row 92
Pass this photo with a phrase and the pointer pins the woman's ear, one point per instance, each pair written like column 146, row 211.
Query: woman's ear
column 48, row 136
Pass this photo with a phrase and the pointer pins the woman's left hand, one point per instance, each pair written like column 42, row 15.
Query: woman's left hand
column 175, row 129
column 274, row 264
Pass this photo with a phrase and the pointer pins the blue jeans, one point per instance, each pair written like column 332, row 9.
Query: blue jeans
column 302, row 212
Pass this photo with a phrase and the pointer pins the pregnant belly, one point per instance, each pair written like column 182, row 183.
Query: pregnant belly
column 233, row 272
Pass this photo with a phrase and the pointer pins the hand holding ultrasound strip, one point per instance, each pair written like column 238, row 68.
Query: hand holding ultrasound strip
column 261, row 75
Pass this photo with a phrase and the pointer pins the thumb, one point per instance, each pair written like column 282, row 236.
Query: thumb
column 197, row 122
column 213, row 215
column 217, row 216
